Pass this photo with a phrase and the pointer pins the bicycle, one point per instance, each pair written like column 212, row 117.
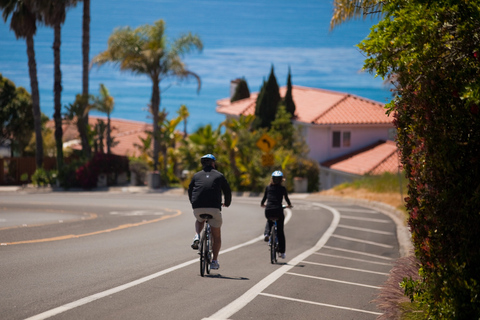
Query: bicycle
column 273, row 243
column 205, row 248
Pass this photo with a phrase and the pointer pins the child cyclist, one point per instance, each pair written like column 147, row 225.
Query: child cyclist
column 274, row 194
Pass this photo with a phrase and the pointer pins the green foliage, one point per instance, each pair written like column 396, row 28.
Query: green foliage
column 139, row 167
column 288, row 100
column 16, row 116
column 241, row 91
column 43, row 178
column 429, row 49
column 267, row 102
column 386, row 182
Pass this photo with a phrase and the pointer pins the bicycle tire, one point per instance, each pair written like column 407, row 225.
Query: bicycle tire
column 208, row 251
column 273, row 245
column 203, row 257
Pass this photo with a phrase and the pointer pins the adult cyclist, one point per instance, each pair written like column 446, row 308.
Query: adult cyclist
column 205, row 195
column 274, row 194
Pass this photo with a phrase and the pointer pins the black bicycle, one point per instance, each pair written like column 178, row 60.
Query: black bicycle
column 205, row 248
column 273, row 243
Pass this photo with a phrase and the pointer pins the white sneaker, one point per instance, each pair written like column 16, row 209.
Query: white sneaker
column 282, row 255
column 196, row 240
column 214, row 265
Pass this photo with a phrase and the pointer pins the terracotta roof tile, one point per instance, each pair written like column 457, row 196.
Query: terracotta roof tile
column 375, row 159
column 318, row 106
column 126, row 132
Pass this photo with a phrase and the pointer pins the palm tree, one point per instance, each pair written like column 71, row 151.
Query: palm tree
column 184, row 114
column 146, row 50
column 54, row 13
column 344, row 10
column 85, row 66
column 105, row 103
column 23, row 22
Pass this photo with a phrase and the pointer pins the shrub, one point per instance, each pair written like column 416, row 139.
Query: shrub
column 42, row 177
column 140, row 168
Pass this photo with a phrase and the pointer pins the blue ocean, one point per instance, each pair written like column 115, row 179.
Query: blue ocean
column 241, row 39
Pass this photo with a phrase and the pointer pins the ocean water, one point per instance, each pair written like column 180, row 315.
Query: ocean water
column 241, row 39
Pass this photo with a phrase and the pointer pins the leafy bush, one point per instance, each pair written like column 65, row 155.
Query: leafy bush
column 140, row 168
column 42, row 177
column 426, row 48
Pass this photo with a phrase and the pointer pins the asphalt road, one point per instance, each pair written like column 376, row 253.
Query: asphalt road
column 99, row 255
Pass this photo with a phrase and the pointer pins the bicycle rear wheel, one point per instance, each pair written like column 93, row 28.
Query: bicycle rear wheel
column 203, row 256
column 208, row 252
column 273, row 245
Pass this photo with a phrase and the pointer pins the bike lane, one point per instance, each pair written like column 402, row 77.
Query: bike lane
column 336, row 279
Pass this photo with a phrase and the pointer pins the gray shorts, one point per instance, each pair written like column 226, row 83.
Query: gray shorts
column 215, row 222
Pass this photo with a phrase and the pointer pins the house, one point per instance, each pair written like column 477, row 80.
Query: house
column 126, row 133
column 342, row 131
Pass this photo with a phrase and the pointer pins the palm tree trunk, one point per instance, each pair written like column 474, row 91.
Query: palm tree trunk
column 86, row 60
column 109, row 133
column 37, row 115
column 57, row 89
column 155, row 105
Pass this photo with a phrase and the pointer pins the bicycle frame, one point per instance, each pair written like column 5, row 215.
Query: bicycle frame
column 205, row 248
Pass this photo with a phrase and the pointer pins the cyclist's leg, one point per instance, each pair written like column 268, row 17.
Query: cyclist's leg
column 217, row 242
column 199, row 226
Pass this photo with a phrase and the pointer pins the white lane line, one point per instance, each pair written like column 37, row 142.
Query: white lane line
column 363, row 241
column 103, row 294
column 366, row 219
column 319, row 304
column 353, row 259
column 365, row 229
column 333, row 280
column 357, row 210
column 345, row 268
column 236, row 305
column 358, row 252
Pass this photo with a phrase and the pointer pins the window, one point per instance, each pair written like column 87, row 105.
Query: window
column 336, row 139
column 346, row 139
column 341, row 139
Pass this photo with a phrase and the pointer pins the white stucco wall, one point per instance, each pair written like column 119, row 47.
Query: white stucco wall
column 320, row 138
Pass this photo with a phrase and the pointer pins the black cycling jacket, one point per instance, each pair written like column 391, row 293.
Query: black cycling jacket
column 206, row 187
column 274, row 196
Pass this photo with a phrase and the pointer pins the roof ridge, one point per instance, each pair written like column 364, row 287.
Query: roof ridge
column 331, row 107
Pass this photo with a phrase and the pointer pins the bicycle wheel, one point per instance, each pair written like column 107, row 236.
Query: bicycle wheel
column 203, row 256
column 208, row 251
column 273, row 245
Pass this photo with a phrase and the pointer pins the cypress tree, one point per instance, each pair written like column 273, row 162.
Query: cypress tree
column 267, row 102
column 241, row 91
column 288, row 100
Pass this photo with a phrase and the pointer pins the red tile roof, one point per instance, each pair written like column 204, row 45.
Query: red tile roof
column 318, row 106
column 126, row 132
column 375, row 159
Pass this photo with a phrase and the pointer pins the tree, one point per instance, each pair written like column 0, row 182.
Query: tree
column 429, row 51
column 184, row 114
column 23, row 22
column 105, row 103
column 16, row 116
column 85, row 70
column 54, row 13
column 267, row 102
column 241, row 90
column 288, row 100
column 146, row 50
column 344, row 10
